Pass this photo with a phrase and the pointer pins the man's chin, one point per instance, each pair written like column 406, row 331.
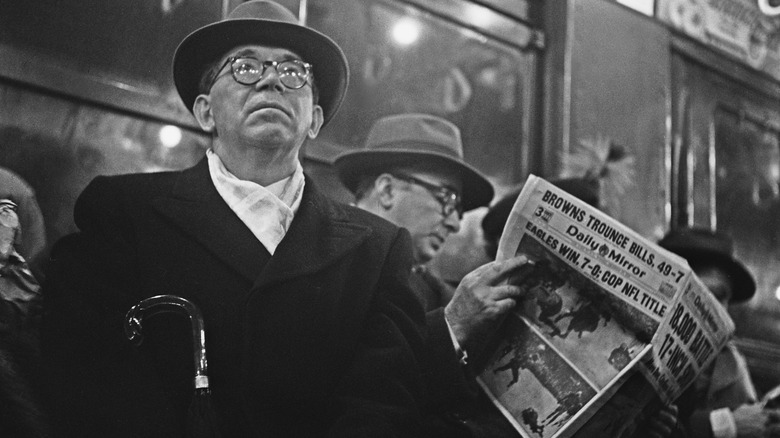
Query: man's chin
column 270, row 134
column 428, row 255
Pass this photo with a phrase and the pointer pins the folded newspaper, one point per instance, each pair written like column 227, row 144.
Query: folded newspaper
column 610, row 322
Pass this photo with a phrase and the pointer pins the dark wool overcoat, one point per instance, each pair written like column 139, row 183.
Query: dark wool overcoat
column 322, row 338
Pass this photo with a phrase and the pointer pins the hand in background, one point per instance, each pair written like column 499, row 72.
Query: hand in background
column 663, row 423
column 754, row 421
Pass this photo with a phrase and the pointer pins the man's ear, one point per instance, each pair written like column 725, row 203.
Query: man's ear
column 201, row 109
column 317, row 118
column 384, row 185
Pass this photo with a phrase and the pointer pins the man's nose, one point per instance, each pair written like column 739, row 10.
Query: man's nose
column 452, row 222
column 270, row 79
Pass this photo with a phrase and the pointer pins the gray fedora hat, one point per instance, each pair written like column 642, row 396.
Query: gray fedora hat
column 267, row 23
column 703, row 245
column 415, row 138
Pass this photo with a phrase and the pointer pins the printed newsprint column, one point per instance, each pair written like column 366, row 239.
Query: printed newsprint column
column 597, row 296
column 695, row 330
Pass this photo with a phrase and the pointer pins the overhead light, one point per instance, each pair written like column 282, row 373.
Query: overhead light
column 170, row 136
column 406, row 31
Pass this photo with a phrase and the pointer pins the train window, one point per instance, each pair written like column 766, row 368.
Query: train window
column 727, row 170
column 115, row 52
column 406, row 59
column 58, row 145
column 726, row 175
column 747, row 189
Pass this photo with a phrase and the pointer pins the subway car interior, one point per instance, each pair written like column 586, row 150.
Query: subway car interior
column 673, row 105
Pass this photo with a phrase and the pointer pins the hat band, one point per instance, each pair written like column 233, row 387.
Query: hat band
column 416, row 147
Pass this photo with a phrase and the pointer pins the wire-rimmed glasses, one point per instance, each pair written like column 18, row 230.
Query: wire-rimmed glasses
column 293, row 73
column 448, row 198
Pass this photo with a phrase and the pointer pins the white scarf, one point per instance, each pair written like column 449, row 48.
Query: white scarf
column 266, row 211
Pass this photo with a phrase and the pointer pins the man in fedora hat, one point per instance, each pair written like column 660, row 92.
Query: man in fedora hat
column 412, row 173
column 311, row 326
column 722, row 402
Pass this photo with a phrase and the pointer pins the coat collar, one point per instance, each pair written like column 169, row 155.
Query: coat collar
column 319, row 235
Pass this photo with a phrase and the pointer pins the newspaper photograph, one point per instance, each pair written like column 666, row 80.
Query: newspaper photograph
column 604, row 307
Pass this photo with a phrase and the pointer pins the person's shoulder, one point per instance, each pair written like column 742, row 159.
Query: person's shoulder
column 363, row 216
column 125, row 191
column 139, row 178
column 342, row 212
column 339, row 212
column 114, row 197
column 134, row 184
column 359, row 216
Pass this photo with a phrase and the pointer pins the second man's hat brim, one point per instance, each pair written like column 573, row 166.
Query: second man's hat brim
column 352, row 166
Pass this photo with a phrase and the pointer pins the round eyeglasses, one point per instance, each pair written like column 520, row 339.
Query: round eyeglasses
column 293, row 73
column 448, row 198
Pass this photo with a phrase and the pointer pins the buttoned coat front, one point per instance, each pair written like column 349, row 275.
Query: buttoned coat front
column 320, row 338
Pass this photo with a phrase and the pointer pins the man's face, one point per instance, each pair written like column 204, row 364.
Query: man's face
column 717, row 282
column 266, row 114
column 417, row 209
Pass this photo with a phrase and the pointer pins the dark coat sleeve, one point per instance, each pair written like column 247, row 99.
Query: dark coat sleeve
column 447, row 380
column 455, row 405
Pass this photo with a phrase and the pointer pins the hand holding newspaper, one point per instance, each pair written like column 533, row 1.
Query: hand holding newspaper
column 611, row 321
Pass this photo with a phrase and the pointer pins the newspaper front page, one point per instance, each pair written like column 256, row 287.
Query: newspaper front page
column 610, row 321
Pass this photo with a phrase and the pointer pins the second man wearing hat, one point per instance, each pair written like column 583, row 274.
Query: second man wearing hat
column 412, row 173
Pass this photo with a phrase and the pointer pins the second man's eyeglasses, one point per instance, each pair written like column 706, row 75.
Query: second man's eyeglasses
column 448, row 198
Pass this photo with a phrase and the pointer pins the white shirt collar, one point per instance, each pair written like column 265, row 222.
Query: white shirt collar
column 266, row 211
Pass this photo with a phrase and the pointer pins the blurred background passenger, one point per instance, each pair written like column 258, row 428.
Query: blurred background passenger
column 722, row 402
column 31, row 239
column 20, row 301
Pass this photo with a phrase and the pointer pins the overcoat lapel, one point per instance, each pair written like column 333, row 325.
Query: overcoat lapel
column 195, row 206
column 319, row 235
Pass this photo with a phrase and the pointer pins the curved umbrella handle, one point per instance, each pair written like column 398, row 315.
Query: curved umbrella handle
column 172, row 304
